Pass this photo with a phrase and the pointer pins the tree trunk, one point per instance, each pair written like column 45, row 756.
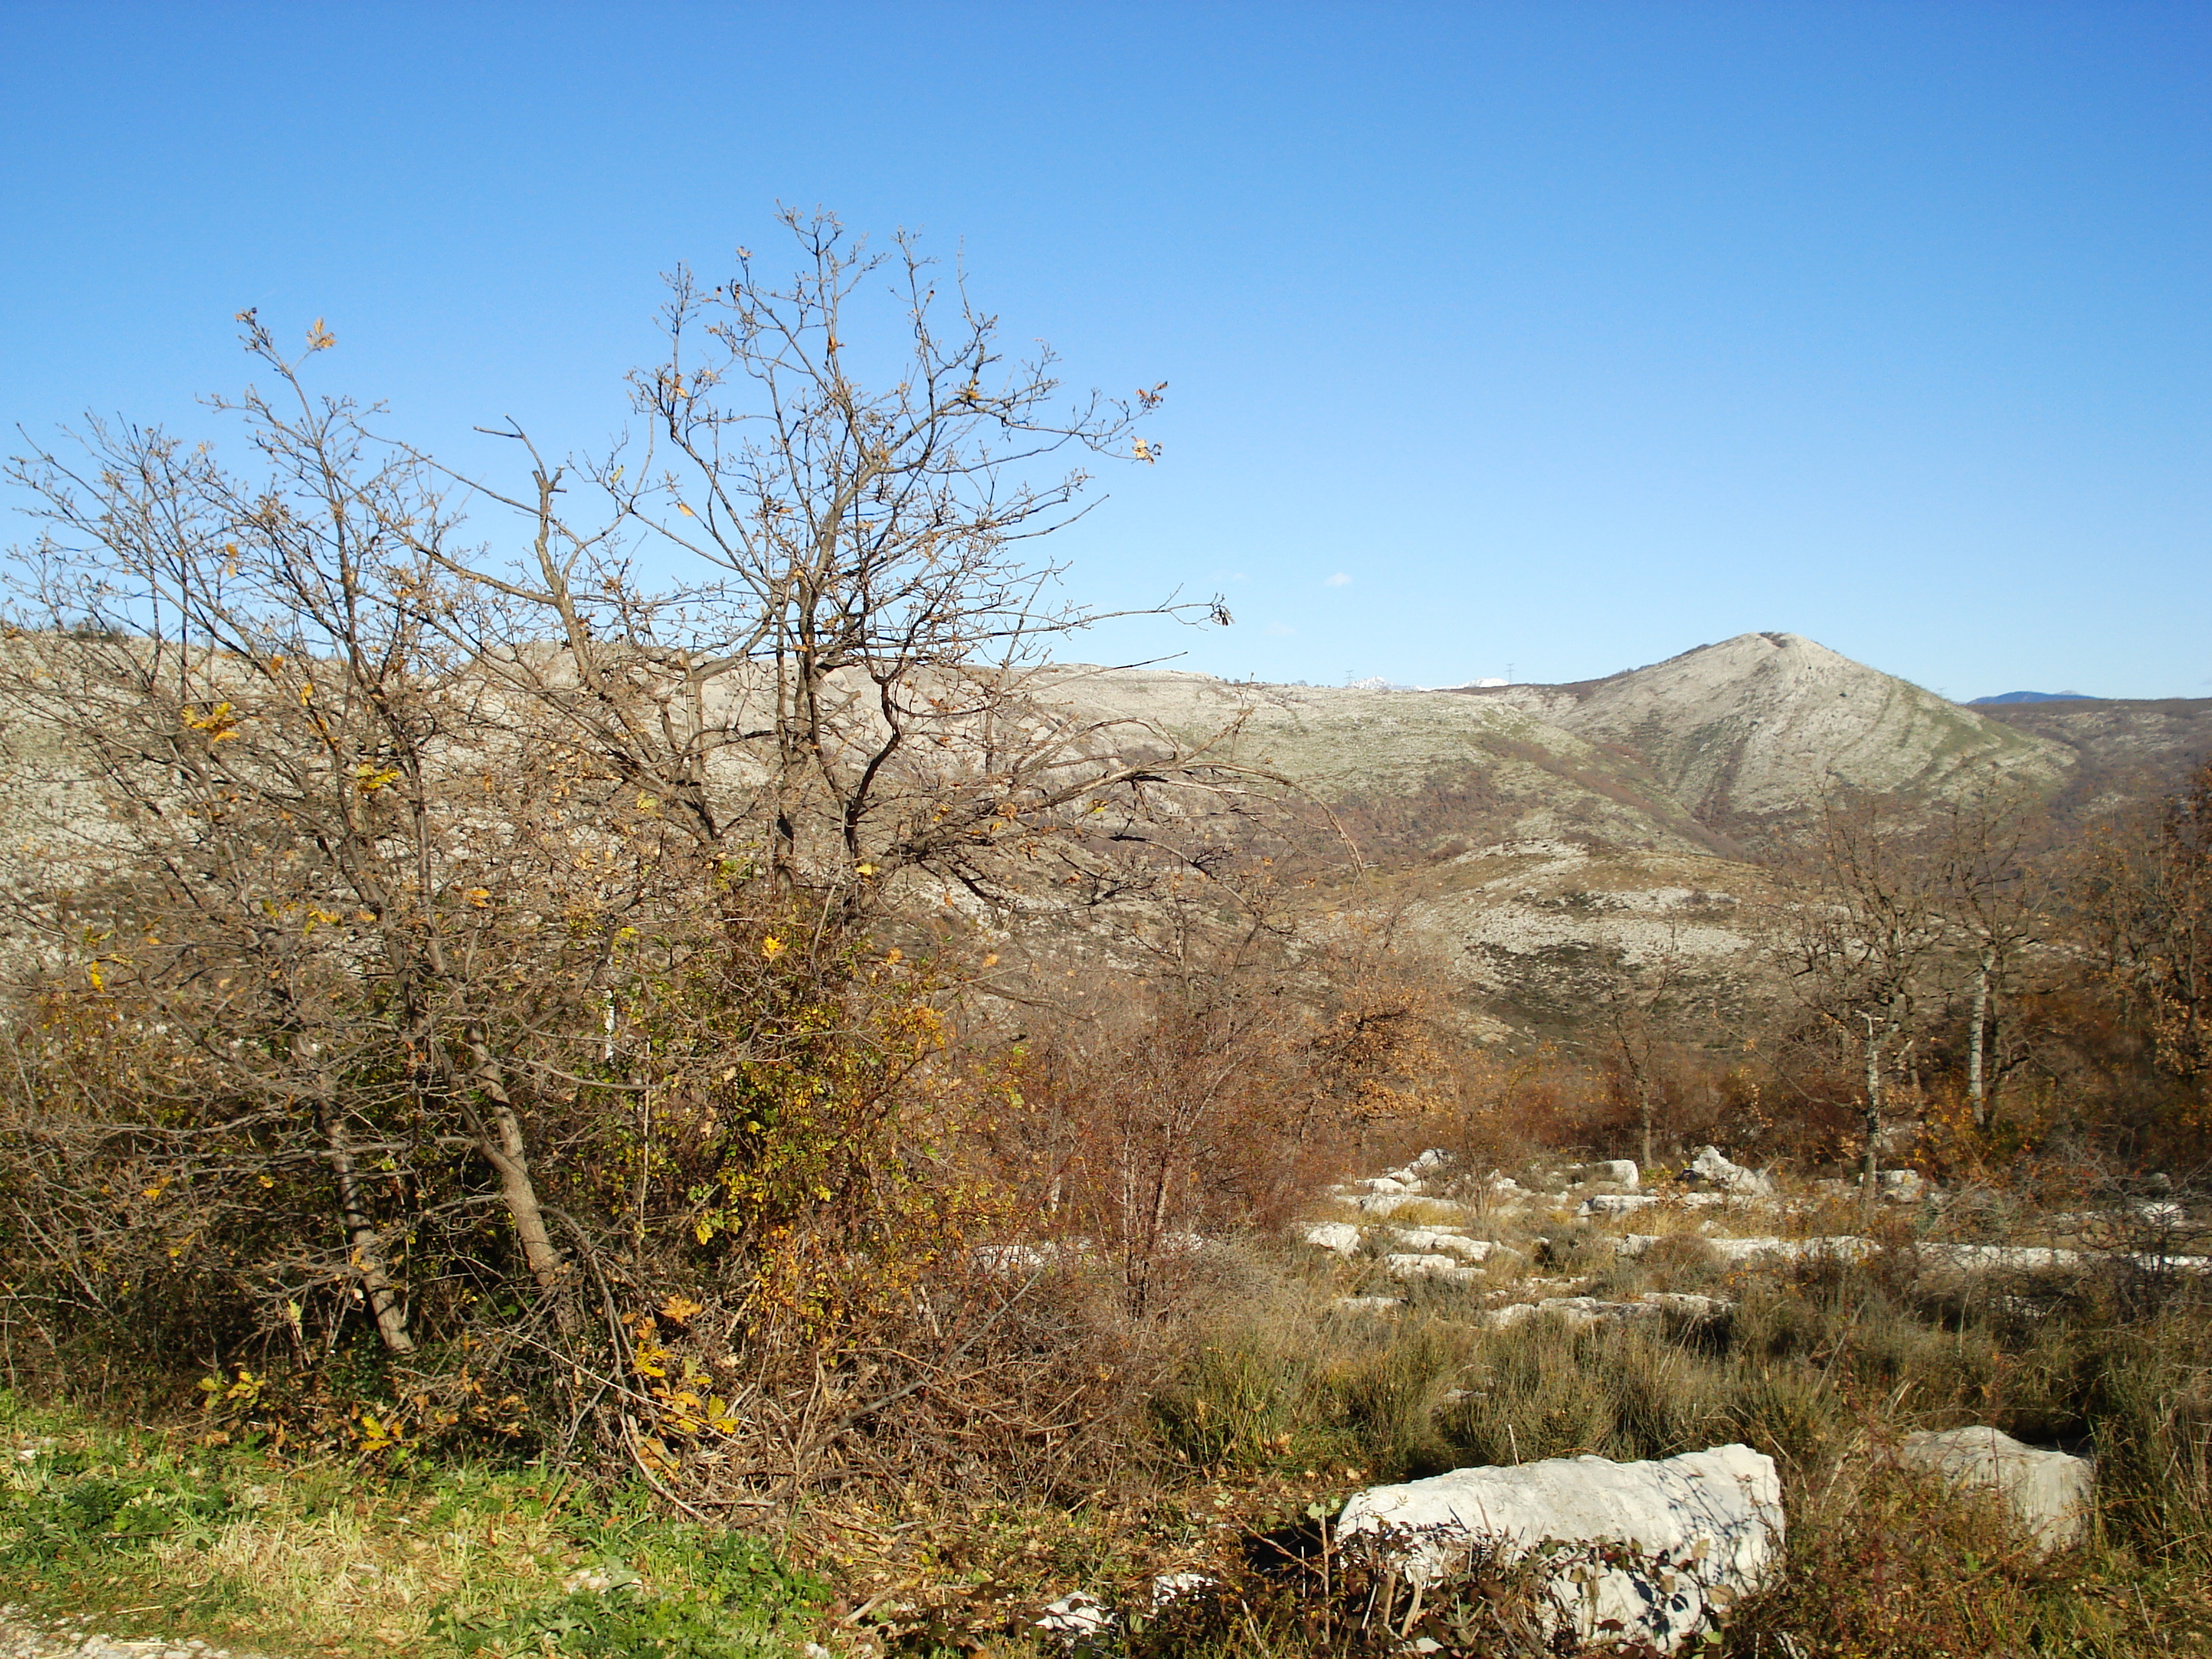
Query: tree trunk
column 1975, row 1041
column 385, row 1302
column 1643, row 1104
column 1874, row 1039
column 503, row 1147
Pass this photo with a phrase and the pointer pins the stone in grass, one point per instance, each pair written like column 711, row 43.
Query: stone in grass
column 1367, row 1304
column 1408, row 1264
column 1341, row 1236
column 2050, row 1492
column 1435, row 1240
column 1615, row 1203
column 1580, row 1310
column 1700, row 1530
column 1712, row 1167
column 1077, row 1619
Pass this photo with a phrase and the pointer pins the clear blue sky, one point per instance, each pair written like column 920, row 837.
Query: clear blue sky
column 1570, row 335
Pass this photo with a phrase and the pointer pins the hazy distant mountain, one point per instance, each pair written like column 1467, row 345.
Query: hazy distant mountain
column 2030, row 696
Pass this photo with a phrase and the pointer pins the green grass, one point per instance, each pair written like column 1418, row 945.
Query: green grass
column 147, row 1532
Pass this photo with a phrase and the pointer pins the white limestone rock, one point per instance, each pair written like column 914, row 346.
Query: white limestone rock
column 2052, row 1492
column 1077, row 1619
column 1598, row 1204
column 1341, row 1236
column 1579, row 1310
column 1711, row 1168
column 1407, row 1265
column 1737, row 1252
column 1714, row 1516
column 1437, row 1239
column 1388, row 1203
column 1367, row 1304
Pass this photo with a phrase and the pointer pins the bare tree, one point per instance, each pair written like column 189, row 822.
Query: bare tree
column 1864, row 925
column 2144, row 896
column 1992, row 897
column 1642, row 1005
column 452, row 933
column 846, row 673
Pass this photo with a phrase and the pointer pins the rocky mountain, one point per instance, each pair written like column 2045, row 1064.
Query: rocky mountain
column 1536, row 838
column 1683, row 757
column 1754, row 728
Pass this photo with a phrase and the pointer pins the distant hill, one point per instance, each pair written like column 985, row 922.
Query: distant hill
column 2122, row 748
column 1758, row 727
column 2033, row 696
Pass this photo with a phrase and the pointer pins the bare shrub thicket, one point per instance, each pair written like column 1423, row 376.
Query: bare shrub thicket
column 475, row 960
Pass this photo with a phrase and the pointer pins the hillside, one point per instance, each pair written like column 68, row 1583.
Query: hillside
column 1536, row 838
column 2118, row 748
column 1752, row 729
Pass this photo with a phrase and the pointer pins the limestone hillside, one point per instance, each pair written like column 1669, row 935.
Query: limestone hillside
column 1536, row 836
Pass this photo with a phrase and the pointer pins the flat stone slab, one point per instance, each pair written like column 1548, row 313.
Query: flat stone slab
column 1589, row 1310
column 1735, row 1251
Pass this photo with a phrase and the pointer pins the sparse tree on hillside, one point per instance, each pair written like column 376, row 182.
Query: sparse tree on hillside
column 1992, row 895
column 1643, row 1004
column 1864, row 928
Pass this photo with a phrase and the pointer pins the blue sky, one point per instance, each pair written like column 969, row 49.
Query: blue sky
column 1570, row 335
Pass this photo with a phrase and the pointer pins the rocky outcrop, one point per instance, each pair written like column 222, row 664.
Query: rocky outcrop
column 1698, row 1531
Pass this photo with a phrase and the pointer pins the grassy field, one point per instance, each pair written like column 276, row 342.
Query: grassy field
column 1281, row 1403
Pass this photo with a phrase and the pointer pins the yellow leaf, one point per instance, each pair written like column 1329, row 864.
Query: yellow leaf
column 685, row 511
column 771, row 947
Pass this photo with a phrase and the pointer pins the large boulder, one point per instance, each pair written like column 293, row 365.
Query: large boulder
column 2050, row 1492
column 1700, row 1531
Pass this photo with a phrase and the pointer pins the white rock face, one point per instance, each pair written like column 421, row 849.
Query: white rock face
column 1716, row 1515
column 2052, row 1491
